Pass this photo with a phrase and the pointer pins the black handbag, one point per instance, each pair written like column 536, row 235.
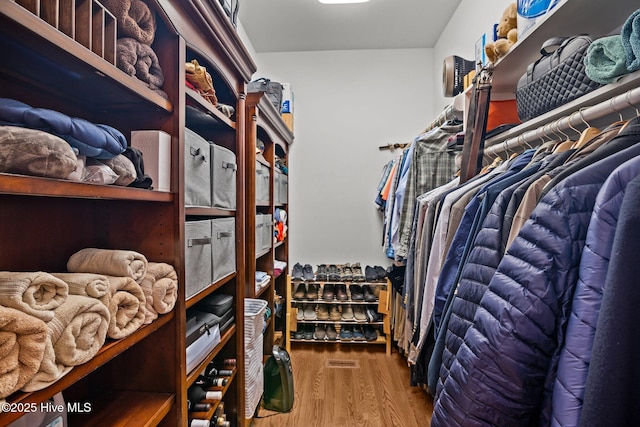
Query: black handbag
column 272, row 89
column 555, row 79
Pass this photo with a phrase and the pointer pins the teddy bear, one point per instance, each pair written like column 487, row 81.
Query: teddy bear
column 507, row 32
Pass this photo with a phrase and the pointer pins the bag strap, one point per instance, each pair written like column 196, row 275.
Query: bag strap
column 553, row 41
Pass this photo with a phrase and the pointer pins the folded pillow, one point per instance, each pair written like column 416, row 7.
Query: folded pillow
column 33, row 152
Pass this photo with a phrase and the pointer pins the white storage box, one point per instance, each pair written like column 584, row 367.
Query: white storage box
column 223, row 249
column 197, row 170
column 155, row 146
column 223, row 177
column 198, row 255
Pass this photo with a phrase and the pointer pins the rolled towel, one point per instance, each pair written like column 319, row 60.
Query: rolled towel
column 135, row 19
column 160, row 287
column 631, row 40
column 34, row 293
column 606, row 60
column 22, row 345
column 126, row 307
column 75, row 335
column 110, row 262
column 87, row 284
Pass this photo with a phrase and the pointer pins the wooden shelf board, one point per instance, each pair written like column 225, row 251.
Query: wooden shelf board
column 109, row 350
column 263, row 290
column 341, row 322
column 321, row 301
column 127, row 408
column 215, row 115
column 380, row 340
column 47, row 187
column 204, row 211
column 193, row 375
column 326, row 282
column 263, row 253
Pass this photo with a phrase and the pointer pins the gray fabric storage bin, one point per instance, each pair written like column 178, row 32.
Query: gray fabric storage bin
column 197, row 170
column 259, row 233
column 262, row 182
column 277, row 176
column 223, row 177
column 267, row 231
column 223, row 251
column 198, row 249
column 283, row 189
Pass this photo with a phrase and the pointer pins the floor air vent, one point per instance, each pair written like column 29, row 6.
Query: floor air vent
column 342, row 364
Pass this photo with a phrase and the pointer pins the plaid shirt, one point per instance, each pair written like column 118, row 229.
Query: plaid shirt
column 432, row 165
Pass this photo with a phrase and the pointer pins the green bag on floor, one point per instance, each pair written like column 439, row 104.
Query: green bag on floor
column 278, row 381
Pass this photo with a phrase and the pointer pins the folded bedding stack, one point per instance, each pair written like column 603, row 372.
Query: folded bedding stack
column 136, row 32
column 160, row 287
column 45, row 331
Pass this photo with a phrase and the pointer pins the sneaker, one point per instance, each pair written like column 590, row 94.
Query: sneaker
column 307, row 272
column 369, row 296
column 307, row 331
column 319, row 332
column 358, row 333
column 381, row 273
column 323, row 312
column 357, row 294
column 341, row 292
column 296, row 272
column 370, row 274
column 347, row 312
column 359, row 313
column 321, row 273
column 300, row 312
column 346, row 332
column 357, row 273
column 301, row 292
column 334, row 313
column 331, row 333
column 346, row 273
column 372, row 315
column 312, row 292
column 333, row 274
column 310, row 312
column 328, row 292
column 370, row 333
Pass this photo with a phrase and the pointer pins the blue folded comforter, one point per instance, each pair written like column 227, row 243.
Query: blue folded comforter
column 92, row 140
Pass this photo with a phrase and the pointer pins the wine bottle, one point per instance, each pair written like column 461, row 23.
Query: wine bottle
column 200, row 423
column 206, row 381
column 200, row 407
column 213, row 371
column 197, row 394
column 230, row 362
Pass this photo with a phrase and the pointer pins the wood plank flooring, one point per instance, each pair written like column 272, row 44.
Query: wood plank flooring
column 329, row 391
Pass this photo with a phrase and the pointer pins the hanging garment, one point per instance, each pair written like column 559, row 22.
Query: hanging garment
column 611, row 395
column 573, row 365
column 510, row 352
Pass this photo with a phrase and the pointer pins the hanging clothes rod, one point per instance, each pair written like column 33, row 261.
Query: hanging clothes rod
column 451, row 112
column 629, row 99
column 392, row 146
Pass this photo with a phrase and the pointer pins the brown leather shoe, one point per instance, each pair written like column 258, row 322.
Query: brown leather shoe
column 341, row 292
column 312, row 292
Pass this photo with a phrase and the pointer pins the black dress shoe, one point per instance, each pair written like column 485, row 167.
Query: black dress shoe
column 370, row 274
column 381, row 273
column 357, row 294
column 368, row 294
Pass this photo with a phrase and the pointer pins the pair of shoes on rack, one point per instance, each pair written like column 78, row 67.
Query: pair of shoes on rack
column 306, row 292
column 306, row 312
column 352, row 332
column 372, row 315
column 322, row 273
column 375, row 273
column 357, row 293
column 346, row 273
column 300, row 272
column 370, row 333
column 304, row 332
column 359, row 313
column 347, row 313
column 328, row 291
column 357, row 273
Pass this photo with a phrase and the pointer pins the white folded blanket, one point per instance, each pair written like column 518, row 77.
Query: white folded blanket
column 35, row 293
column 126, row 307
column 22, row 343
column 160, row 287
column 111, row 262
column 75, row 334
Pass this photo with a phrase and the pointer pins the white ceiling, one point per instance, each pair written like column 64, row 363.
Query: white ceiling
column 306, row 25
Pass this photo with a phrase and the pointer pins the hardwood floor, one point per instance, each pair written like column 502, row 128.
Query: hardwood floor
column 331, row 391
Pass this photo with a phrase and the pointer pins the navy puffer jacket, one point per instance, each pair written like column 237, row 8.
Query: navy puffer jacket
column 573, row 366
column 509, row 354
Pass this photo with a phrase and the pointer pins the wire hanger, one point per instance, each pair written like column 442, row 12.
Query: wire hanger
column 565, row 144
column 628, row 100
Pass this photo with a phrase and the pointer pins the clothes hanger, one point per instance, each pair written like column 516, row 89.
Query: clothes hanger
column 565, row 144
column 587, row 135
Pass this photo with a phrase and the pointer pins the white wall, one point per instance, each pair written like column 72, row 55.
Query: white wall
column 472, row 19
column 347, row 103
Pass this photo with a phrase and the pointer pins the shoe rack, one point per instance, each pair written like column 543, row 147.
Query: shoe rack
column 300, row 328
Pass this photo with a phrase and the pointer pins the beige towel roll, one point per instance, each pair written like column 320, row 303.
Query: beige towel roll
column 34, row 293
column 160, row 287
column 22, row 344
column 126, row 307
column 75, row 334
column 87, row 284
column 110, row 262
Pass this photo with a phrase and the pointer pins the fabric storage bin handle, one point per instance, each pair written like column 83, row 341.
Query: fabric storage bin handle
column 259, row 225
column 259, row 172
column 222, row 234
column 229, row 165
column 195, row 152
column 202, row 241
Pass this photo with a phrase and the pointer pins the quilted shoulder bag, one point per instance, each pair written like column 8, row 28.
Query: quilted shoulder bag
column 556, row 78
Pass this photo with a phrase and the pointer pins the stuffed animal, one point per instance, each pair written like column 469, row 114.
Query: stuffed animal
column 507, row 33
